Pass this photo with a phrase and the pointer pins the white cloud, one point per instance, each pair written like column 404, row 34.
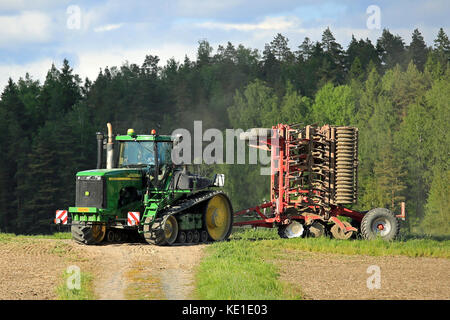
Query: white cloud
column 90, row 62
column 108, row 27
column 37, row 70
column 269, row 23
column 26, row 27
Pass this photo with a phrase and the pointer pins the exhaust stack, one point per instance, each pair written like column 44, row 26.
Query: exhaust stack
column 99, row 149
column 109, row 148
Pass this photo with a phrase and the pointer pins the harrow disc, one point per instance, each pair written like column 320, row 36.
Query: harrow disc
column 338, row 233
column 293, row 230
column 316, row 230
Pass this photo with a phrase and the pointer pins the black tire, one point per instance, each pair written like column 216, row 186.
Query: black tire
column 380, row 222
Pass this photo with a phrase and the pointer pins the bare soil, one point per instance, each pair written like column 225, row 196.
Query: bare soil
column 32, row 269
column 343, row 277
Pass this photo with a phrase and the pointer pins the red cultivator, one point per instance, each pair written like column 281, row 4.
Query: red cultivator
column 313, row 174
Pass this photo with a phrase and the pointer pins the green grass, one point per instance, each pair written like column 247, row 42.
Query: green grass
column 245, row 267
column 411, row 245
column 85, row 292
column 7, row 237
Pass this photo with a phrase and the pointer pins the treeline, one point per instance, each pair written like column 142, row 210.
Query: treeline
column 397, row 94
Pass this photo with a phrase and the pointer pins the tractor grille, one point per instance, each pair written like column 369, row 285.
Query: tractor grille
column 90, row 192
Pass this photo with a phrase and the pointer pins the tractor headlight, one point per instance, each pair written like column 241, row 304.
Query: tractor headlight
column 90, row 178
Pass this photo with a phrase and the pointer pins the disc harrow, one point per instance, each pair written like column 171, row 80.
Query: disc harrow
column 314, row 173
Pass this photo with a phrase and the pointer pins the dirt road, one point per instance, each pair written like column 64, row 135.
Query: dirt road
column 140, row 271
column 32, row 269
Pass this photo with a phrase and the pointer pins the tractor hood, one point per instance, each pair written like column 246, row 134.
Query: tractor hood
column 117, row 172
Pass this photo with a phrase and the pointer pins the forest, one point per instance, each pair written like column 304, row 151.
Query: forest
column 397, row 94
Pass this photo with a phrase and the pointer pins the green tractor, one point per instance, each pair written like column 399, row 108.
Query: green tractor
column 142, row 194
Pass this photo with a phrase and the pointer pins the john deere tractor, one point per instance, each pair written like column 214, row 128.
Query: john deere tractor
column 142, row 193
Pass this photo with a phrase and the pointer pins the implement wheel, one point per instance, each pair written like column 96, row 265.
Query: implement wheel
column 379, row 222
column 218, row 217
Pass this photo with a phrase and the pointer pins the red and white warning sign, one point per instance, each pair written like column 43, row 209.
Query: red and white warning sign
column 61, row 217
column 133, row 218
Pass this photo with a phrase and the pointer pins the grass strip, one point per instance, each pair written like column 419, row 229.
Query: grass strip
column 8, row 237
column 237, row 270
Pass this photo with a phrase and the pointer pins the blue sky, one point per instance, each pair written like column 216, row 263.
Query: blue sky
column 35, row 34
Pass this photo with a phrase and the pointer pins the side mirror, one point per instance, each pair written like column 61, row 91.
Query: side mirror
column 219, row 180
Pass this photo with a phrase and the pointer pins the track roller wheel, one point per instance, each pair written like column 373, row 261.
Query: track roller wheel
column 204, row 236
column 182, row 237
column 340, row 234
column 196, row 236
column 117, row 236
column 110, row 235
column 218, row 217
column 189, row 237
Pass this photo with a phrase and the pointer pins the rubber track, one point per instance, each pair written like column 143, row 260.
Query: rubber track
column 191, row 201
column 82, row 233
column 156, row 233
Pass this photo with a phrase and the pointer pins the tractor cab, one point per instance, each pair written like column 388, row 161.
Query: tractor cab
column 143, row 150
column 152, row 152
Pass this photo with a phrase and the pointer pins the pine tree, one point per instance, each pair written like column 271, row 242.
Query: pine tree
column 442, row 46
column 279, row 48
column 391, row 49
column 333, row 64
column 417, row 50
